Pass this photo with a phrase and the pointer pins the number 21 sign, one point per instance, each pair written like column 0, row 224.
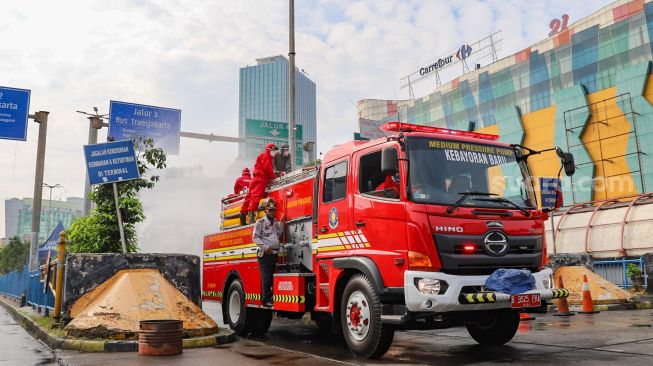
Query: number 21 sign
column 558, row 25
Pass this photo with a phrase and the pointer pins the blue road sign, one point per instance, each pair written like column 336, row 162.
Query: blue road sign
column 130, row 121
column 111, row 162
column 14, row 111
column 548, row 188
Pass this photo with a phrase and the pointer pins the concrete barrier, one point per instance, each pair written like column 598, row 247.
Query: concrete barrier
column 86, row 271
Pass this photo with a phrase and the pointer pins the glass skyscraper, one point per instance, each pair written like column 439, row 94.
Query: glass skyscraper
column 263, row 109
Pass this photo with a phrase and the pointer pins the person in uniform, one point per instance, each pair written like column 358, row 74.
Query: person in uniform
column 267, row 232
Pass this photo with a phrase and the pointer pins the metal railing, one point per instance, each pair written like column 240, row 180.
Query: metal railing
column 37, row 286
column 615, row 271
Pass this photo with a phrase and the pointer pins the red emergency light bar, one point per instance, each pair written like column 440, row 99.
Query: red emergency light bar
column 407, row 127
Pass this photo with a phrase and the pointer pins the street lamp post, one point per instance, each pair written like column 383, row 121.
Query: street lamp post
column 50, row 203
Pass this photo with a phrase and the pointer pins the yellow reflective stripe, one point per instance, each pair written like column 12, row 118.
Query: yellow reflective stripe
column 470, row 298
column 225, row 249
column 331, row 248
column 229, row 257
column 327, row 236
column 490, row 297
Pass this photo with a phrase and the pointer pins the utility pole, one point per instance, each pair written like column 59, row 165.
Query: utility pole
column 50, row 203
column 95, row 123
column 41, row 118
column 291, row 86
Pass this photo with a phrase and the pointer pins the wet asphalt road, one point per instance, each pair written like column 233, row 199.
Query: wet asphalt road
column 622, row 337
column 17, row 347
column 609, row 338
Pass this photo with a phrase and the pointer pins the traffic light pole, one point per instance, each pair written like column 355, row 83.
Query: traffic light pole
column 41, row 118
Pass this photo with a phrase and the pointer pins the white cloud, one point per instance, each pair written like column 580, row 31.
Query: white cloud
column 186, row 54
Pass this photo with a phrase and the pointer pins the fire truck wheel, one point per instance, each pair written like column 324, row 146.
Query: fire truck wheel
column 239, row 317
column 261, row 319
column 361, row 319
column 494, row 328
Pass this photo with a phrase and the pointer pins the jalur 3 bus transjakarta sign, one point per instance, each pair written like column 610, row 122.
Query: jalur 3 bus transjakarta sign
column 132, row 121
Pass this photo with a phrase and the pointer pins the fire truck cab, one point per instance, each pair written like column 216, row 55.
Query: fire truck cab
column 395, row 233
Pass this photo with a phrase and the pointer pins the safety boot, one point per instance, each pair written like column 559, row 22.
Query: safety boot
column 243, row 219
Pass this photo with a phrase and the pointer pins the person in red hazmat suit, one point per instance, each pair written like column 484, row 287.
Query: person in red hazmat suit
column 263, row 174
column 391, row 184
column 242, row 182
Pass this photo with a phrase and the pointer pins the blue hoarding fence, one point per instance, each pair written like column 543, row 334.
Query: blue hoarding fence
column 14, row 284
column 111, row 162
column 132, row 121
column 14, row 112
column 33, row 285
column 616, row 270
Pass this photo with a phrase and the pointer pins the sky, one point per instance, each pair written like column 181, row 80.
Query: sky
column 79, row 54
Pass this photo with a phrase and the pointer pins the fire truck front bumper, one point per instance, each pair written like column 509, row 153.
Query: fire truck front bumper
column 441, row 292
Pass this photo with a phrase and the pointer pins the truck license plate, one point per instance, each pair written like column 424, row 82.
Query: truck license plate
column 525, row 300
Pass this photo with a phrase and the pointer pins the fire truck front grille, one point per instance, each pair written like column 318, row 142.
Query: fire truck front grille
column 522, row 252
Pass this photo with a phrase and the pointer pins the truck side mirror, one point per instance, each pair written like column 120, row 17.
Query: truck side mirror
column 567, row 161
column 389, row 159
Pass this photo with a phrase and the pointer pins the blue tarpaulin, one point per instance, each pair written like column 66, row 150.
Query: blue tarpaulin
column 50, row 245
column 510, row 281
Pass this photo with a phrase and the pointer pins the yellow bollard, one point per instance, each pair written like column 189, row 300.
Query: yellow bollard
column 61, row 254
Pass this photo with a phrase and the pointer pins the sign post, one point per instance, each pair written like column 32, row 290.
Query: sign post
column 112, row 162
column 130, row 121
column 14, row 112
column 120, row 227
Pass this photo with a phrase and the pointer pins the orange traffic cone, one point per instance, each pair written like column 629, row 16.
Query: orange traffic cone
column 525, row 316
column 563, row 307
column 588, row 305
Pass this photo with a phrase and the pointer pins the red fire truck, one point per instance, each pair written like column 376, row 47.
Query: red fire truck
column 391, row 234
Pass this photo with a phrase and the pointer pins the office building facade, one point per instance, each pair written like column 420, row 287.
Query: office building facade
column 18, row 216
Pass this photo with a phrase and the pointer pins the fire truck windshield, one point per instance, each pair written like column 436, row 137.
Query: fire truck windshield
column 441, row 171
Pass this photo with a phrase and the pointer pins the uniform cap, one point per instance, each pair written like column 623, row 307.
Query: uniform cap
column 270, row 147
column 284, row 146
column 246, row 171
column 268, row 204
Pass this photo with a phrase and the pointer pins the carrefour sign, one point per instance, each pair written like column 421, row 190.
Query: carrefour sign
column 463, row 53
column 436, row 65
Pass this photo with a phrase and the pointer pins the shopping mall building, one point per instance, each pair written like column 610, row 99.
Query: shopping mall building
column 586, row 89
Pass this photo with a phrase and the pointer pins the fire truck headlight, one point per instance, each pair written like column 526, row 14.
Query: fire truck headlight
column 428, row 286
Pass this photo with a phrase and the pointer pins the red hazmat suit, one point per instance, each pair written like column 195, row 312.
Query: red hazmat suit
column 263, row 173
column 387, row 183
column 242, row 181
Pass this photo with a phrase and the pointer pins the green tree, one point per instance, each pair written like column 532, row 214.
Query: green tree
column 14, row 255
column 98, row 232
